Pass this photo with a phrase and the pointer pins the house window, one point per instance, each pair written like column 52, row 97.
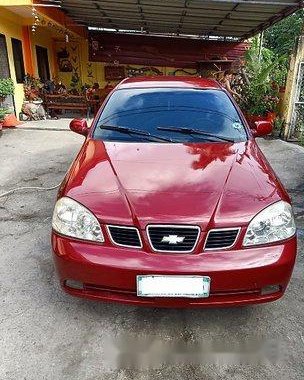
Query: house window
column 43, row 63
column 18, row 60
column 4, row 65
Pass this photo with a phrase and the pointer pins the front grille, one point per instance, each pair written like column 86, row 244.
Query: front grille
column 125, row 236
column 221, row 238
column 171, row 238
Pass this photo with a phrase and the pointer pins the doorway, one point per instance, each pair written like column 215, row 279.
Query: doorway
column 43, row 63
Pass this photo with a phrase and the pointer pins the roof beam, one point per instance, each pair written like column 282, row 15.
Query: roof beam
column 256, row 2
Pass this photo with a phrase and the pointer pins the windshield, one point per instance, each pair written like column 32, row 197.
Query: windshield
column 174, row 115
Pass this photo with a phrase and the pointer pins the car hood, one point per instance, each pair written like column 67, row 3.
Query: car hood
column 209, row 184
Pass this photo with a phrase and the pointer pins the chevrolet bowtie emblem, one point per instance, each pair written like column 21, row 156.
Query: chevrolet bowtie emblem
column 173, row 239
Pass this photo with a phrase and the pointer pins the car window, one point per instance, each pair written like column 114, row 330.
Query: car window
column 209, row 111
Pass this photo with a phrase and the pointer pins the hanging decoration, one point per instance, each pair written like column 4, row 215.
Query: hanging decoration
column 57, row 28
column 183, row 72
column 63, row 60
column 94, row 46
column 90, row 70
column 35, row 19
column 139, row 71
column 114, row 72
column 66, row 35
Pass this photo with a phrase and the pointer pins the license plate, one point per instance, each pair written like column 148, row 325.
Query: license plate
column 173, row 286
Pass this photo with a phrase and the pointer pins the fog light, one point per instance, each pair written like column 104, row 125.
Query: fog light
column 74, row 284
column 270, row 289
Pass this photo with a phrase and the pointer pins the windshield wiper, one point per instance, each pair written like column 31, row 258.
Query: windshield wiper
column 134, row 131
column 190, row 131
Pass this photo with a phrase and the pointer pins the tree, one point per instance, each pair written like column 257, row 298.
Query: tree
column 281, row 37
column 262, row 70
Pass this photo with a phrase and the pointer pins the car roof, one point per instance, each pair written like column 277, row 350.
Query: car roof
column 169, row 82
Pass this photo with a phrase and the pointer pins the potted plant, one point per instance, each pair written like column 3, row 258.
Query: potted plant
column 261, row 90
column 32, row 87
column 32, row 108
column 3, row 113
column 260, row 104
column 8, row 119
column 6, row 88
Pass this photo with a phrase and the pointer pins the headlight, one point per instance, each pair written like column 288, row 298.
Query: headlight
column 274, row 223
column 72, row 219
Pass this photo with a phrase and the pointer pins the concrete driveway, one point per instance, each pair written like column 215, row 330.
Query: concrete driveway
column 45, row 334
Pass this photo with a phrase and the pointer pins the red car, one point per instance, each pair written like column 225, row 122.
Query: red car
column 171, row 203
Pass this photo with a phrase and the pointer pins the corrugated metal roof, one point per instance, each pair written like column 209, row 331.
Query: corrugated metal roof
column 212, row 18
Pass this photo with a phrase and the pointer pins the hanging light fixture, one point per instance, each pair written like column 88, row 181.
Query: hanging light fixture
column 35, row 19
column 66, row 34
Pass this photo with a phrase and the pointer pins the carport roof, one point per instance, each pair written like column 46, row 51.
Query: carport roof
column 212, row 18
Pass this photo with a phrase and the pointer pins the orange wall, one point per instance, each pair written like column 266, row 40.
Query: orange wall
column 13, row 25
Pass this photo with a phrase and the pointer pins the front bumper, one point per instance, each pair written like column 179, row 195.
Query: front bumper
column 238, row 277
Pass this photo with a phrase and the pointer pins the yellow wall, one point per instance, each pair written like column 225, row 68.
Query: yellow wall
column 296, row 58
column 42, row 37
column 91, row 72
column 7, row 3
column 11, row 26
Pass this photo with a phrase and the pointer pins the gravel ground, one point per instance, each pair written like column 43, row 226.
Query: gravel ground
column 45, row 334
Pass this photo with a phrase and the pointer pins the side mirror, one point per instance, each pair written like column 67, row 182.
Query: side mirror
column 262, row 128
column 79, row 126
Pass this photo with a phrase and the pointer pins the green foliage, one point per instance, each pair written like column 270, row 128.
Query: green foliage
column 281, row 37
column 31, row 87
column 265, row 75
column 278, row 126
column 3, row 112
column 301, row 138
column 30, row 80
column 75, row 82
column 299, row 127
column 6, row 88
